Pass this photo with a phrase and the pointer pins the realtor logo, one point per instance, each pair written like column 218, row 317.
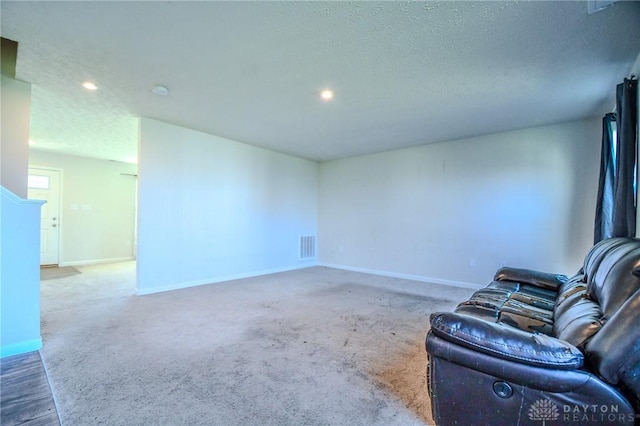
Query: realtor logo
column 543, row 409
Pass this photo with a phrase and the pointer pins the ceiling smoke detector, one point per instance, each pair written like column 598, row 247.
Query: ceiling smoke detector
column 160, row 90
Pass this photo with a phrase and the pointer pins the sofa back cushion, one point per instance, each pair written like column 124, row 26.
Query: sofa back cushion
column 612, row 271
column 598, row 252
column 578, row 322
column 614, row 352
column 617, row 278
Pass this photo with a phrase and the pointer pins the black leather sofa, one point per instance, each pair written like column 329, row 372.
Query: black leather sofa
column 534, row 348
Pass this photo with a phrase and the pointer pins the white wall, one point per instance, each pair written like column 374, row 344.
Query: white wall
column 19, row 274
column 19, row 227
column 97, row 208
column 433, row 212
column 15, row 98
column 211, row 209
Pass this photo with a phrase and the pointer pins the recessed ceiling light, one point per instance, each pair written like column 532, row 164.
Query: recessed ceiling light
column 90, row 85
column 160, row 90
column 326, row 94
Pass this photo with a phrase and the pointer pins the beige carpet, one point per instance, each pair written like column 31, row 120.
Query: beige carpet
column 317, row 346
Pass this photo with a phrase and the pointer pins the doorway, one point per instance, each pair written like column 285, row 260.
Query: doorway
column 44, row 184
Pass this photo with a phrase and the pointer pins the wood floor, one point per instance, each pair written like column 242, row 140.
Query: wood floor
column 25, row 395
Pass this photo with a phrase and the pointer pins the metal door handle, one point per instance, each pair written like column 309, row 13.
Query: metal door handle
column 53, row 225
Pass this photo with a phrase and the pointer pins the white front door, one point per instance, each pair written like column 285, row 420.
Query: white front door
column 44, row 184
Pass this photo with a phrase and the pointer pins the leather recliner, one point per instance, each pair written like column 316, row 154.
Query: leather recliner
column 538, row 348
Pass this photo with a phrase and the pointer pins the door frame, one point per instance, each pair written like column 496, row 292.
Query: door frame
column 60, row 205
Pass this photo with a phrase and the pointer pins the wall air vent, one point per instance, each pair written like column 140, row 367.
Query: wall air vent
column 307, row 246
column 594, row 6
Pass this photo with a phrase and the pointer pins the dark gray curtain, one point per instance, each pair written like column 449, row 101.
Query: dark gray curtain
column 616, row 208
column 604, row 207
column 624, row 209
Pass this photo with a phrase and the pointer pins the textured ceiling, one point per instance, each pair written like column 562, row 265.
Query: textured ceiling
column 404, row 73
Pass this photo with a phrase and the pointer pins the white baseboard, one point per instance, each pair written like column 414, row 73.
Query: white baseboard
column 405, row 276
column 20, row 347
column 96, row 261
column 195, row 283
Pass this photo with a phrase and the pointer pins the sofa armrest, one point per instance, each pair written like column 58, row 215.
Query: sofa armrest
column 503, row 341
column 529, row 276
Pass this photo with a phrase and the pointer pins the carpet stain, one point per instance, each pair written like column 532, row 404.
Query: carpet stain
column 406, row 378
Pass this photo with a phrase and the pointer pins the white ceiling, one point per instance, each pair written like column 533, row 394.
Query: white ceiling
column 404, row 73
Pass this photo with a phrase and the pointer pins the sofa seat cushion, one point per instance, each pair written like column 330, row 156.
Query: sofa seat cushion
column 513, row 319
column 518, row 287
column 518, row 310
column 535, row 278
column 506, row 342
column 488, row 298
column 526, row 320
column 484, row 313
column 496, row 297
column 533, row 301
